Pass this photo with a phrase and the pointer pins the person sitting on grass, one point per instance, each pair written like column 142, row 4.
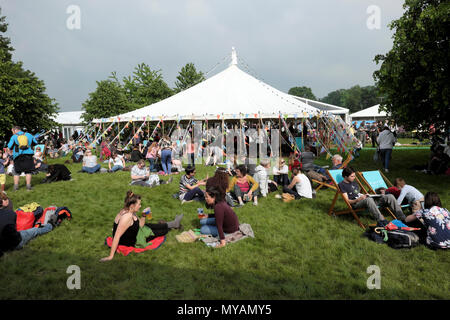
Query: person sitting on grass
column 116, row 162
column 141, row 176
column 350, row 191
column 436, row 221
column 261, row 176
column 224, row 220
column 136, row 154
column 10, row 238
column 127, row 224
column 78, row 153
column 281, row 173
column 57, row 172
column 190, row 187
column 244, row 187
column 300, row 186
column 412, row 195
column 90, row 163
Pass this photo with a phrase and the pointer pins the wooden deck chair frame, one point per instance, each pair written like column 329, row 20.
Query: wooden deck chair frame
column 350, row 210
column 360, row 175
column 324, row 184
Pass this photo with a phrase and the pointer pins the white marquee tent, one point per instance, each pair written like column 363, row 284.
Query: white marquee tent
column 69, row 122
column 230, row 94
column 372, row 113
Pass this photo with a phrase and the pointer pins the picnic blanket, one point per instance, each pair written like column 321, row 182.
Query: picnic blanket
column 155, row 244
column 245, row 231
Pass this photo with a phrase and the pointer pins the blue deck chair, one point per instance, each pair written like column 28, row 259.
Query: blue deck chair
column 374, row 180
column 336, row 177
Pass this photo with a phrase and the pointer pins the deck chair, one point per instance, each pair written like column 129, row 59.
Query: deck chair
column 321, row 184
column 374, row 180
column 336, row 177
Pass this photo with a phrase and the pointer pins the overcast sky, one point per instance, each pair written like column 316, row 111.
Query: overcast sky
column 322, row 44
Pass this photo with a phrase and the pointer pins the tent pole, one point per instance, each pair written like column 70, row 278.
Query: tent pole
column 279, row 128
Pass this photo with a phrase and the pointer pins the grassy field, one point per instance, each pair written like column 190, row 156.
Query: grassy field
column 299, row 252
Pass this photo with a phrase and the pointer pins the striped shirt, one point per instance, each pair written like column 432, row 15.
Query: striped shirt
column 184, row 181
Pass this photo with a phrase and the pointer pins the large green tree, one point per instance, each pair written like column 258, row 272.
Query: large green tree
column 109, row 99
column 113, row 97
column 188, row 77
column 335, row 97
column 304, row 92
column 23, row 100
column 414, row 74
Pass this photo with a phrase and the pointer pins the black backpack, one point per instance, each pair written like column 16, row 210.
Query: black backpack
column 399, row 239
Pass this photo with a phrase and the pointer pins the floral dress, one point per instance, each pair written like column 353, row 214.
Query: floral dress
column 437, row 222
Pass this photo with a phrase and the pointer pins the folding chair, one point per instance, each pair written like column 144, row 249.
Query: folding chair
column 42, row 146
column 322, row 184
column 336, row 177
column 374, row 180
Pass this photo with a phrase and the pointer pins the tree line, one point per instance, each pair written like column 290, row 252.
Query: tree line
column 355, row 98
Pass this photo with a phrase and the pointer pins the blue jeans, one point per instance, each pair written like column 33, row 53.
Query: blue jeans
column 32, row 233
column 196, row 192
column 152, row 164
column 91, row 169
column 166, row 160
column 116, row 168
column 386, row 157
column 208, row 226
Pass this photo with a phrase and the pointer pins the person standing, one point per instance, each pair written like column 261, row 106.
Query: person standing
column 166, row 154
column 386, row 141
column 20, row 144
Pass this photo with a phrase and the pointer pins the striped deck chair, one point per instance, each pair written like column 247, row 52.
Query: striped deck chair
column 374, row 180
column 336, row 177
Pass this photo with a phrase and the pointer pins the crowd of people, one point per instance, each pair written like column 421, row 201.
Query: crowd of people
column 232, row 186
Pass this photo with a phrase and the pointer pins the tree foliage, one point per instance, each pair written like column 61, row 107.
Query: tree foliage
column 109, row 99
column 23, row 100
column 355, row 98
column 113, row 97
column 414, row 74
column 304, row 92
column 188, row 77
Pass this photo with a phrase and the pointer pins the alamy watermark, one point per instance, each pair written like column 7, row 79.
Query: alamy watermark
column 373, row 22
column 73, row 22
column 74, row 281
column 234, row 145
column 374, row 281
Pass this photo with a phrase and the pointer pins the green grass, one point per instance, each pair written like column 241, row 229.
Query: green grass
column 299, row 252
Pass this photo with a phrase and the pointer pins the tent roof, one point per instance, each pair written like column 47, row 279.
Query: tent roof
column 323, row 106
column 71, row 117
column 230, row 94
column 371, row 112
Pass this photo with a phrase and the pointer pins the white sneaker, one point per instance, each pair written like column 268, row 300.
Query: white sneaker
column 386, row 170
column 277, row 196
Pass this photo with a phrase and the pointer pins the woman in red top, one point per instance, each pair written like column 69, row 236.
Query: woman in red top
column 224, row 220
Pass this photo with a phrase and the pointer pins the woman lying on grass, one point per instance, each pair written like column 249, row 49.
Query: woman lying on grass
column 224, row 218
column 127, row 224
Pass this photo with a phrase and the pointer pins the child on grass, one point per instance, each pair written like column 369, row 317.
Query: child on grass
column 4, row 160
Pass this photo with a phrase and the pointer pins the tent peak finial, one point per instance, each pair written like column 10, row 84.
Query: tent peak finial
column 234, row 61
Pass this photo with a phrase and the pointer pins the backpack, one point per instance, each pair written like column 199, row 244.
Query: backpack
column 399, row 239
column 23, row 141
column 395, row 234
